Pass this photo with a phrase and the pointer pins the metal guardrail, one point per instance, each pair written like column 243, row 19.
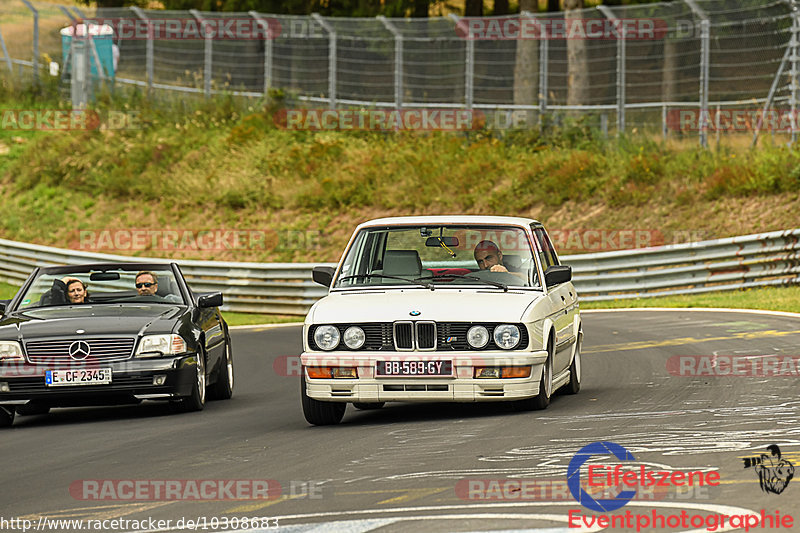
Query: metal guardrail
column 286, row 288
column 723, row 264
column 274, row 288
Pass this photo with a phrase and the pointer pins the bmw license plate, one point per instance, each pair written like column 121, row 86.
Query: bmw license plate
column 79, row 376
column 414, row 368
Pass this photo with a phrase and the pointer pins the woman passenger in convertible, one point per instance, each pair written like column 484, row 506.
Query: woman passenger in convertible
column 67, row 290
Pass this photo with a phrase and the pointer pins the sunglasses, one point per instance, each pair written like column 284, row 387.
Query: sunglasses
column 140, row 285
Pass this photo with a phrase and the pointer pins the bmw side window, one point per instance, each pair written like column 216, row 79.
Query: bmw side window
column 547, row 246
column 545, row 256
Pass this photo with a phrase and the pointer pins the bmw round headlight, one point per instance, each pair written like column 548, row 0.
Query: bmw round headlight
column 326, row 337
column 506, row 336
column 478, row 336
column 354, row 337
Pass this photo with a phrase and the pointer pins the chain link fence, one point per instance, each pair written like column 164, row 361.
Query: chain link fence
column 707, row 61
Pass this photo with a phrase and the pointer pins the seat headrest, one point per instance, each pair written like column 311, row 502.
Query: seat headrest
column 512, row 262
column 402, row 263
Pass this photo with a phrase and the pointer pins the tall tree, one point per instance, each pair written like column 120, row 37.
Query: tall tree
column 500, row 7
column 526, row 64
column 473, row 8
column 577, row 62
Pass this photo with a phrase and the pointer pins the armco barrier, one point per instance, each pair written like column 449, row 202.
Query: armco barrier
column 274, row 288
column 286, row 288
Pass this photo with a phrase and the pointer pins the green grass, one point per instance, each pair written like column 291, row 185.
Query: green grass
column 767, row 298
column 223, row 163
column 7, row 291
column 249, row 319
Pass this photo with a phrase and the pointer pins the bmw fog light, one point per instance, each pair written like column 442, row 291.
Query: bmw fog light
column 488, row 372
column 506, row 336
column 4, row 386
column 159, row 379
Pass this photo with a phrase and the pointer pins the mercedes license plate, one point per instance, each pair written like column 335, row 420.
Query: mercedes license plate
column 79, row 376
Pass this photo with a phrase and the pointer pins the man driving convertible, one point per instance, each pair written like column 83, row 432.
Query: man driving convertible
column 147, row 285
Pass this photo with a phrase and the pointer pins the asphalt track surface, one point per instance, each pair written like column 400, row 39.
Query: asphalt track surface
column 405, row 467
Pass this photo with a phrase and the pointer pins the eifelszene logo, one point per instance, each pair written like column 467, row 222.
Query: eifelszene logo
column 632, row 477
column 774, row 472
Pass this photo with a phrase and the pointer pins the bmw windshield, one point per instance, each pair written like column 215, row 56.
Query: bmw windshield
column 439, row 256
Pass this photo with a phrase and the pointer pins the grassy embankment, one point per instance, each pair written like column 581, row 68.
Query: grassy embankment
column 223, row 164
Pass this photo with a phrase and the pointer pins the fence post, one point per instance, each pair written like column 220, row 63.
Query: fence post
column 705, row 65
column 794, row 71
column 771, row 94
column 621, row 67
column 5, row 54
column 398, row 61
column 543, row 74
column 664, row 131
column 331, row 58
column 35, row 42
column 469, row 64
column 208, row 53
column 79, row 73
column 100, row 70
column 267, row 50
column 89, row 41
column 148, row 48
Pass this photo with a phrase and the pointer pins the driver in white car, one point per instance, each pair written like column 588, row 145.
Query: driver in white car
column 489, row 257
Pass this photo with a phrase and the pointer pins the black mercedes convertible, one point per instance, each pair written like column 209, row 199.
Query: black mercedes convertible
column 111, row 333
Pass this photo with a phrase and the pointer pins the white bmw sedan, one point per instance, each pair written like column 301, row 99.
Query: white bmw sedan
column 441, row 308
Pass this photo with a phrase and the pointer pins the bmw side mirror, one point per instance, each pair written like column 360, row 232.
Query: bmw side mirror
column 3, row 306
column 323, row 275
column 210, row 299
column 557, row 274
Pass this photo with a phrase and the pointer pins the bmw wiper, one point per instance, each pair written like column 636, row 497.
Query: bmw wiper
column 486, row 281
column 418, row 281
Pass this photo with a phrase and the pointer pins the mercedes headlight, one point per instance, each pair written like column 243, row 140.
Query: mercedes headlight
column 478, row 336
column 354, row 337
column 10, row 351
column 326, row 337
column 158, row 345
column 506, row 336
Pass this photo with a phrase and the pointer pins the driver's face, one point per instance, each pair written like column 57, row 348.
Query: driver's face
column 488, row 258
column 142, row 283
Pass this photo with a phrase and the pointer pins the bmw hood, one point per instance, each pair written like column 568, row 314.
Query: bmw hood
column 127, row 320
column 465, row 305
